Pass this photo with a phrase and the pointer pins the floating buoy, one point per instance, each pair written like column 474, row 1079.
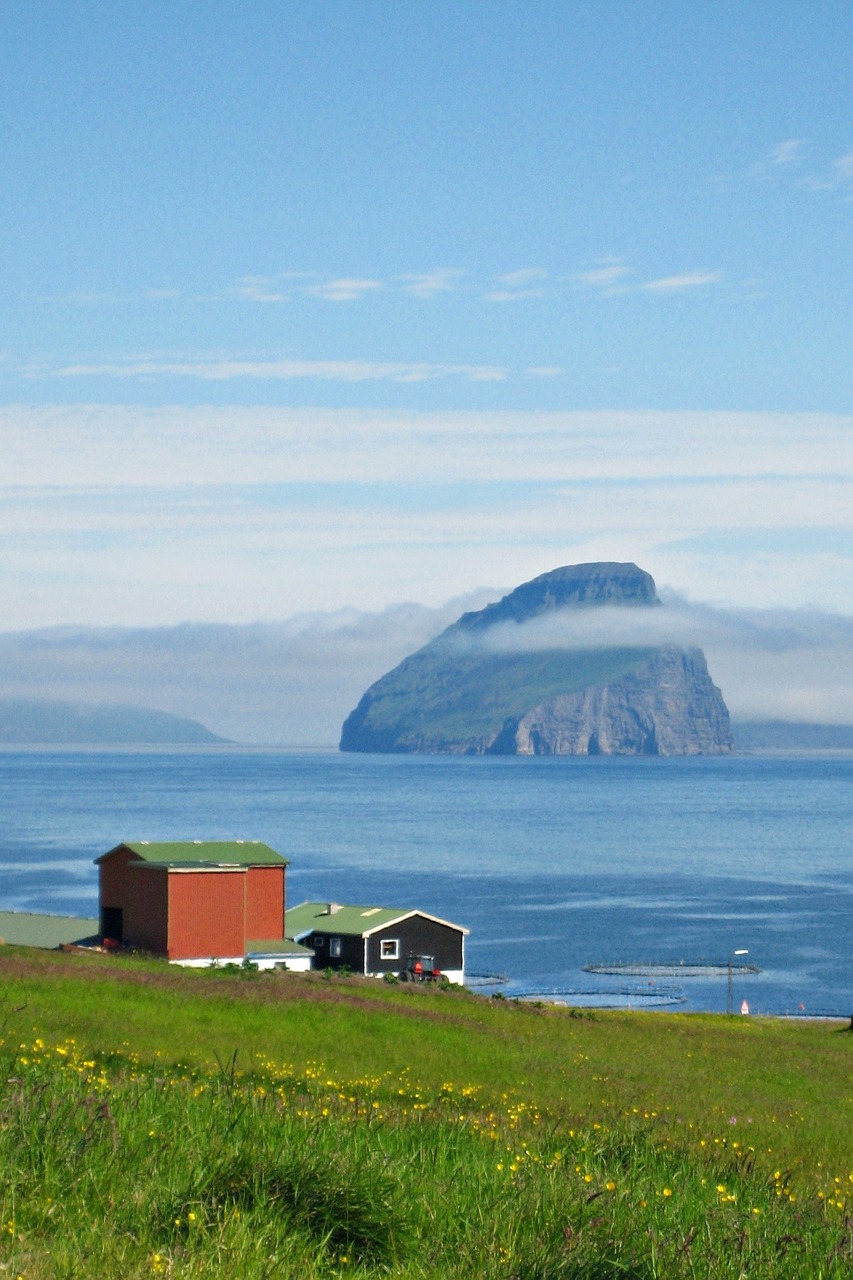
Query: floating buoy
column 744, row 1007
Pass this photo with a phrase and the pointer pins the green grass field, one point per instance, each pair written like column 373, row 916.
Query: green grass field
column 444, row 694
column 159, row 1122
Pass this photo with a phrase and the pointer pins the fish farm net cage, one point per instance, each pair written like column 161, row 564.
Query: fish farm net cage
column 673, row 969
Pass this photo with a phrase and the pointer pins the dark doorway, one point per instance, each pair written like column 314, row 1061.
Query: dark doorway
column 111, row 923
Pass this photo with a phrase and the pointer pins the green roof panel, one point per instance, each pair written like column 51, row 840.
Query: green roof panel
column 36, row 929
column 348, row 920
column 344, row 920
column 216, row 853
column 276, row 947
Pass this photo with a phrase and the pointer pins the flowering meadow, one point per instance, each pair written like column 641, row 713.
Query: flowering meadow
column 127, row 1159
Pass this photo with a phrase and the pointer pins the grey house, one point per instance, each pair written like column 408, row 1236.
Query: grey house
column 377, row 940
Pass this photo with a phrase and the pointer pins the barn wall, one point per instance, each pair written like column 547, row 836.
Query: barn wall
column 265, row 902
column 112, row 880
column 139, row 896
column 145, row 909
column 206, row 914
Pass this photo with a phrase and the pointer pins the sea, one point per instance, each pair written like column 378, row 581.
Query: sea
column 655, row 872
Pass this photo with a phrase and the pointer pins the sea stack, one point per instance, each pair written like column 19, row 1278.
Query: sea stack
column 505, row 681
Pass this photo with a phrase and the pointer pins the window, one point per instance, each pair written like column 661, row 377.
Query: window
column 389, row 948
column 335, row 947
column 319, row 941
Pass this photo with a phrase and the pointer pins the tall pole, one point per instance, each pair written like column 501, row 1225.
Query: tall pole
column 742, row 952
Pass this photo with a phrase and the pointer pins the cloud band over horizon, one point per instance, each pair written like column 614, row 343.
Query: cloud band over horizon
column 128, row 515
column 294, row 681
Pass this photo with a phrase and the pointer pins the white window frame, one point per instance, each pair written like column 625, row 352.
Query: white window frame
column 336, row 947
column 389, row 948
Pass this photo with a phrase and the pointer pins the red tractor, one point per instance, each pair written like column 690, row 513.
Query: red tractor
column 420, row 969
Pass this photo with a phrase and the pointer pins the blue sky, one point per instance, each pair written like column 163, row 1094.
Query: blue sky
column 313, row 306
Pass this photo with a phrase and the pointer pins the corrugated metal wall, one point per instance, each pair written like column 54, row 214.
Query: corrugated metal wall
column 265, row 902
column 192, row 915
column 206, row 914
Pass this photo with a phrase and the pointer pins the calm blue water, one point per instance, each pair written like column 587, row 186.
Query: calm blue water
column 551, row 863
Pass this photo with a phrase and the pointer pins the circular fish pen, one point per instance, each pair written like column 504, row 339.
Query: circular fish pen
column 673, row 969
column 475, row 981
column 658, row 996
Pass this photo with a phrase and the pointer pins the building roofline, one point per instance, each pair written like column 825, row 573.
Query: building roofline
column 319, row 925
column 194, row 868
column 199, row 854
column 275, row 947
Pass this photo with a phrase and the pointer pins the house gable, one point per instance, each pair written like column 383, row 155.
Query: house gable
column 376, row 940
column 389, row 948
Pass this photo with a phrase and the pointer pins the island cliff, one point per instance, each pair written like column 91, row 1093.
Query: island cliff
column 487, row 686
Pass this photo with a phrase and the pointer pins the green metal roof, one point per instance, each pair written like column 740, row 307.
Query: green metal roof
column 349, row 920
column 35, row 929
column 202, row 853
column 276, row 947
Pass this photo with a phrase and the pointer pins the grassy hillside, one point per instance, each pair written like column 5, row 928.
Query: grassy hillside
column 200, row 1124
column 443, row 694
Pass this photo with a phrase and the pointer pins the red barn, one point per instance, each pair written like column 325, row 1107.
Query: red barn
column 194, row 900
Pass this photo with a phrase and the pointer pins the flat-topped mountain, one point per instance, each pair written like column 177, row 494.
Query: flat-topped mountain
column 575, row 584
column 499, row 681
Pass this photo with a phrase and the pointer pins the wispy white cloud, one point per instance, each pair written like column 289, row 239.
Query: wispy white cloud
column 681, row 621
column 779, row 663
column 96, row 298
column 838, row 177
column 678, row 283
column 263, row 288
column 612, row 276
column 511, row 295
column 842, row 168
column 522, row 278
column 345, row 289
column 778, row 163
column 119, row 514
column 544, row 371
column 223, row 370
column 94, row 445
column 606, row 274
column 788, row 152
column 527, row 282
column 428, row 284
column 784, row 161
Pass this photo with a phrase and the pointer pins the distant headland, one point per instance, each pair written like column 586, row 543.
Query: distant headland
column 30, row 722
